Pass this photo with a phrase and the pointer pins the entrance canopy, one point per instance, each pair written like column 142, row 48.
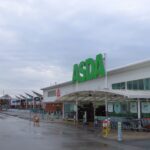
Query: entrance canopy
column 102, row 95
column 91, row 96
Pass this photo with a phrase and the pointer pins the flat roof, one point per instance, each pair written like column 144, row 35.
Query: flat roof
column 116, row 70
column 130, row 66
column 58, row 85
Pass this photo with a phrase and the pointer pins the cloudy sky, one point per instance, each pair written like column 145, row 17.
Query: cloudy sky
column 40, row 40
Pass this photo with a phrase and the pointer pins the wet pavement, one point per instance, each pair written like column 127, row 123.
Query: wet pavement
column 143, row 144
column 20, row 134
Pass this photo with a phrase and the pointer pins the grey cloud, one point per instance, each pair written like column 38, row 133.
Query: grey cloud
column 37, row 35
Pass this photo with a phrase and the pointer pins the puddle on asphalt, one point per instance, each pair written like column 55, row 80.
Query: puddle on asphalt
column 2, row 117
column 87, row 146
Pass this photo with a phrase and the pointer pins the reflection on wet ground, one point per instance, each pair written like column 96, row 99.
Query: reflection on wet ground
column 19, row 134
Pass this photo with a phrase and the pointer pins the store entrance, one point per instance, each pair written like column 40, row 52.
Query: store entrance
column 89, row 109
column 100, row 111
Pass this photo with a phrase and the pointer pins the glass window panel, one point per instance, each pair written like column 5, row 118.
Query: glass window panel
column 124, row 108
column 135, row 84
column 133, row 107
column 51, row 93
column 147, row 84
column 145, row 107
column 141, row 84
column 118, row 85
column 110, row 107
column 129, row 85
column 114, row 86
column 122, row 85
column 117, row 107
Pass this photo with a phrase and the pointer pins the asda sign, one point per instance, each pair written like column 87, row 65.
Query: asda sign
column 89, row 69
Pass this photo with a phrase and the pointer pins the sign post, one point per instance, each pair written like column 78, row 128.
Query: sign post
column 119, row 131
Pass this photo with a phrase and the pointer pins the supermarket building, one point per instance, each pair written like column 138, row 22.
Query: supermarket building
column 96, row 91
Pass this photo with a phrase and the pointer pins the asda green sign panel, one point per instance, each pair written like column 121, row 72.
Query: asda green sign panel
column 89, row 69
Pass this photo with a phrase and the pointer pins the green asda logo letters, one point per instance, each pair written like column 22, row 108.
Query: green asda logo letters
column 89, row 69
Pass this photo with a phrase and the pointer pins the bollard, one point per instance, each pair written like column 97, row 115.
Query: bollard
column 119, row 132
column 106, row 127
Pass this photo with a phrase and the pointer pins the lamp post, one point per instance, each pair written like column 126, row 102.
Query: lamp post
column 106, row 83
column 76, row 109
column 106, row 74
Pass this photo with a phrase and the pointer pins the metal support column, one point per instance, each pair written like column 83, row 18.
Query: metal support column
column 94, row 107
column 106, row 104
column 139, row 109
column 94, row 104
column 106, row 74
column 106, row 83
column 63, row 111
column 76, row 110
column 139, row 113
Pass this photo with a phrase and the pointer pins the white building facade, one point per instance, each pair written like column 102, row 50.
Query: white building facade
column 122, row 92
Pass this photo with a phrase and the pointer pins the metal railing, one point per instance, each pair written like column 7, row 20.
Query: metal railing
column 132, row 124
